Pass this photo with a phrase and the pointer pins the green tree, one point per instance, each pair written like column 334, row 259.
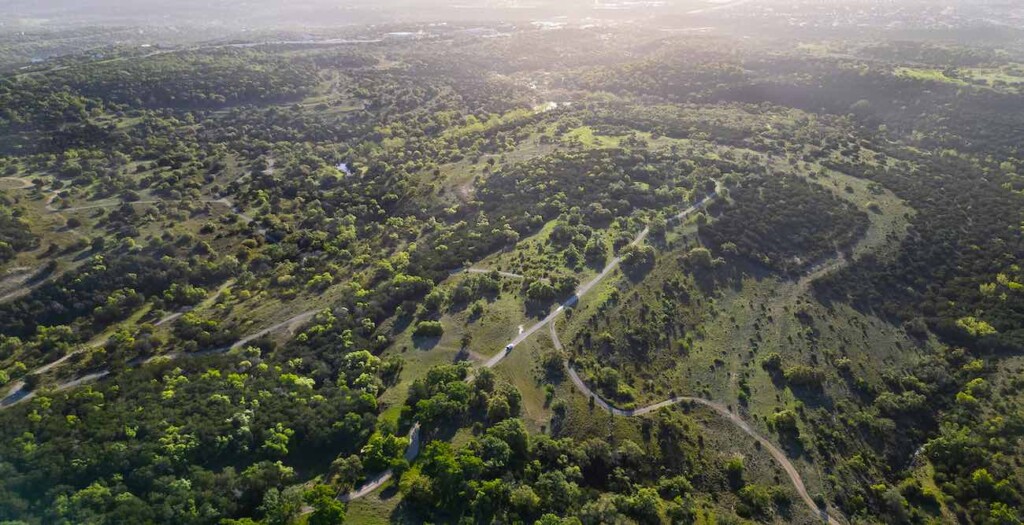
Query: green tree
column 327, row 510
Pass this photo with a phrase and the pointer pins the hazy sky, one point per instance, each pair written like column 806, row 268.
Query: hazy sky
column 323, row 13
column 250, row 11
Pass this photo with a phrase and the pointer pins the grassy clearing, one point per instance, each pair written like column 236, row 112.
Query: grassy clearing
column 586, row 136
column 12, row 183
column 928, row 75
column 489, row 333
column 536, row 257
column 757, row 315
column 53, row 235
column 1007, row 79
column 454, row 182
column 522, row 370
column 379, row 508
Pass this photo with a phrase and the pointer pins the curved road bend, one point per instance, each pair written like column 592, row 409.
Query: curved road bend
column 383, row 477
column 589, row 285
column 413, row 450
column 722, row 410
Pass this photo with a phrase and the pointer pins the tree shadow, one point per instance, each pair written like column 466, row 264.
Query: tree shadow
column 730, row 275
column 404, row 514
column 791, row 444
column 813, row 396
column 637, row 275
column 401, row 323
column 388, row 492
column 596, row 264
column 462, row 355
column 45, row 273
column 538, row 309
column 425, row 343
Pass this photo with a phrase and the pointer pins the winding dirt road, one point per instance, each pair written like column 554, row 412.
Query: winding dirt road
column 722, row 410
column 589, row 285
column 413, row 449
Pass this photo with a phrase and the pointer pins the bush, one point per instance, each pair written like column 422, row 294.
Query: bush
column 428, row 329
column 772, row 362
column 637, row 259
column 803, row 375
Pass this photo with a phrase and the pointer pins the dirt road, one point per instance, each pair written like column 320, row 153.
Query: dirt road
column 722, row 410
column 17, row 393
column 383, row 477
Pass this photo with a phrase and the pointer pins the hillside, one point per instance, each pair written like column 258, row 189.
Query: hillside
column 590, row 275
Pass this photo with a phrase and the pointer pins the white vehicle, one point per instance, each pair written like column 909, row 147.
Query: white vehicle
column 508, row 348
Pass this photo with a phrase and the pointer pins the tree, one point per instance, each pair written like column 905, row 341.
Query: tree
column 734, row 469
column 277, row 438
column 497, row 409
column 646, row 506
column 595, row 252
column 347, row 471
column 540, row 292
column 279, row 507
column 700, row 257
column 637, row 259
column 327, row 510
column 428, row 329
column 524, row 500
column 382, row 449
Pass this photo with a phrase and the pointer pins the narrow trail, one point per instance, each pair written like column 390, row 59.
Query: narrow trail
column 223, row 201
column 99, row 341
column 589, row 285
column 380, row 479
column 290, row 323
column 485, row 271
column 25, row 183
column 23, row 290
column 17, row 393
column 778, row 455
column 385, row 476
column 17, row 280
column 172, row 317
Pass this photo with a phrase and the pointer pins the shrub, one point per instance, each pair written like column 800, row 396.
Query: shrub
column 803, row 375
column 428, row 329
